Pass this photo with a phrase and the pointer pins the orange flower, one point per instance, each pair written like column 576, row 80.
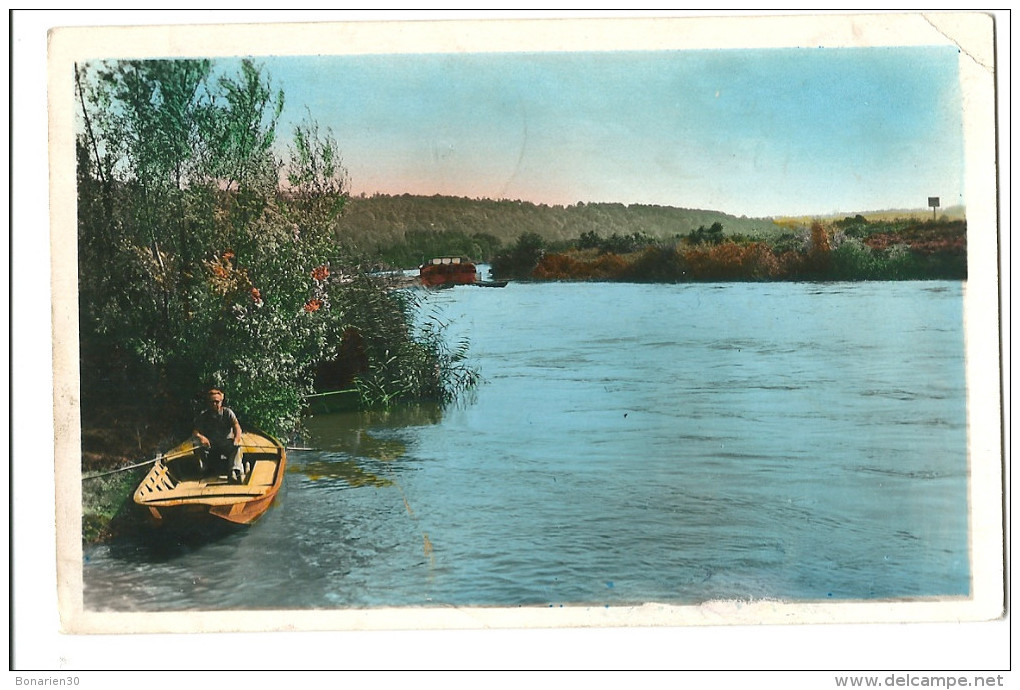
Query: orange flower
column 256, row 295
column 320, row 273
column 313, row 305
column 228, row 255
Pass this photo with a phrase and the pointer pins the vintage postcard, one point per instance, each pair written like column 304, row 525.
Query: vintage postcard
column 736, row 362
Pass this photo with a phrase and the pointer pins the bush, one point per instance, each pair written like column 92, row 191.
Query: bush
column 557, row 267
column 903, row 264
column 521, row 259
column 658, row 264
column 419, row 246
column 198, row 269
column 712, row 235
column 854, row 260
column 898, row 250
column 730, row 261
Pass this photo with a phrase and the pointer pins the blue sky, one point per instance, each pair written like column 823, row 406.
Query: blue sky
column 748, row 132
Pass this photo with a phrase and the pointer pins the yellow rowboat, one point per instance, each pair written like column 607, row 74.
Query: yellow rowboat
column 175, row 489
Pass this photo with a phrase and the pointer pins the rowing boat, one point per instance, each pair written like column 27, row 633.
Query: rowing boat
column 175, row 489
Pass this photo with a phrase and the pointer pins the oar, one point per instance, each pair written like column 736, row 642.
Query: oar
column 172, row 456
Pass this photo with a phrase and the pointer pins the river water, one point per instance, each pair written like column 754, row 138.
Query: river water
column 629, row 443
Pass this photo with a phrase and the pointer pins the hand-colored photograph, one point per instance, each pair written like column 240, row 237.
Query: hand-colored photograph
column 671, row 330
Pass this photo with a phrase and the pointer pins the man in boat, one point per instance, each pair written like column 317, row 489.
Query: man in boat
column 219, row 433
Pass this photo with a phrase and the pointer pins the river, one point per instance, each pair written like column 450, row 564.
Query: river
column 628, row 443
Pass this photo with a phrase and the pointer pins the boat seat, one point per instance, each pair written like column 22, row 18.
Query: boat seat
column 263, row 473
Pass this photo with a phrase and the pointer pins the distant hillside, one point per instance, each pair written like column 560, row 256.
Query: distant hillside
column 377, row 223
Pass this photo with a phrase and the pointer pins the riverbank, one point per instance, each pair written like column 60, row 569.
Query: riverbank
column 106, row 504
column 113, row 438
column 853, row 249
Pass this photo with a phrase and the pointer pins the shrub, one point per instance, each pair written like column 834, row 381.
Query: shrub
column 557, row 267
column 819, row 259
column 854, row 260
column 658, row 264
column 730, row 261
column 197, row 269
column 520, row 260
column 712, row 235
column 903, row 264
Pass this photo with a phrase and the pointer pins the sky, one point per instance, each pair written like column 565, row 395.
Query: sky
column 762, row 132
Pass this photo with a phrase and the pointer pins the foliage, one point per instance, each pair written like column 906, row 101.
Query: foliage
column 731, row 261
column 615, row 243
column 819, row 256
column 790, row 241
column 403, row 230
column 713, row 235
column 580, row 266
column 197, row 268
column 418, row 246
column 658, row 264
column 854, row 260
column 380, row 223
column 318, row 181
column 853, row 226
column 891, row 251
column 589, row 240
column 424, row 367
column 103, row 500
column 521, row 259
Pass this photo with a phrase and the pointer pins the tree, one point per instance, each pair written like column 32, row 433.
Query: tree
column 713, row 235
column 318, row 180
column 819, row 258
column 521, row 259
column 196, row 267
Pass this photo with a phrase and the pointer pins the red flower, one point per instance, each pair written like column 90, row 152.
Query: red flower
column 320, row 273
column 313, row 305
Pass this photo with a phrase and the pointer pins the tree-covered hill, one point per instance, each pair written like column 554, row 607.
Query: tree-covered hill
column 404, row 229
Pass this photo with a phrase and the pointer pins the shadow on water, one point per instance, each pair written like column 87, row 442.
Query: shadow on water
column 137, row 537
column 364, row 432
column 347, row 444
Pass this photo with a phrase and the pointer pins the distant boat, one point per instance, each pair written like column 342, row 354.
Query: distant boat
column 447, row 271
column 175, row 489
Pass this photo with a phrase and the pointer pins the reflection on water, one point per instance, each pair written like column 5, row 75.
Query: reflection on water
column 347, row 436
column 346, row 432
column 348, row 470
column 628, row 443
column 347, row 445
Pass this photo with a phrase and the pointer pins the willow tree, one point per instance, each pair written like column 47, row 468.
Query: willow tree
column 177, row 157
column 164, row 138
